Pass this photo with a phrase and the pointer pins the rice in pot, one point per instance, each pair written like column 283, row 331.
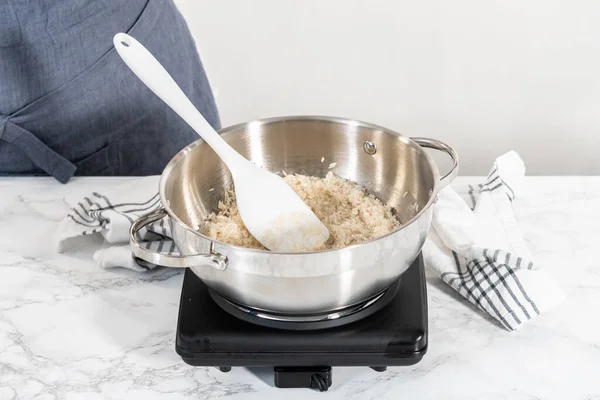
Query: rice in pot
column 350, row 213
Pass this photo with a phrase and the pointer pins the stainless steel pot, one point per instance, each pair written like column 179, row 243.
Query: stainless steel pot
column 393, row 167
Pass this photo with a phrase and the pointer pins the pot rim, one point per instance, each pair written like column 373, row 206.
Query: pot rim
column 171, row 165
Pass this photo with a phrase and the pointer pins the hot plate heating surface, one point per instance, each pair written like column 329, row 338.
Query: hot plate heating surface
column 395, row 335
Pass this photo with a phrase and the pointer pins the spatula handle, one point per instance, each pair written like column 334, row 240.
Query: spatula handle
column 156, row 78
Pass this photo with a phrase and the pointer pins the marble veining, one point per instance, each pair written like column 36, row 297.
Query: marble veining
column 70, row 330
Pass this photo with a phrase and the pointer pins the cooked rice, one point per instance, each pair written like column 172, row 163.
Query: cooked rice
column 350, row 213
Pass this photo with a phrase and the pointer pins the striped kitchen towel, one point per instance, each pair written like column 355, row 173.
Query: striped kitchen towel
column 110, row 214
column 476, row 249
column 480, row 251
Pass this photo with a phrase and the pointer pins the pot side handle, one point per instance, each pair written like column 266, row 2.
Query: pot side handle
column 439, row 145
column 216, row 261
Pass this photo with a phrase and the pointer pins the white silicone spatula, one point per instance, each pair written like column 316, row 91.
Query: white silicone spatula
column 270, row 209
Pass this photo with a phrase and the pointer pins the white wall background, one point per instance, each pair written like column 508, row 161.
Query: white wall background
column 485, row 76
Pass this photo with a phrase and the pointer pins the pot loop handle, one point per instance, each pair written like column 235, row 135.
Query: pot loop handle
column 438, row 145
column 216, row 261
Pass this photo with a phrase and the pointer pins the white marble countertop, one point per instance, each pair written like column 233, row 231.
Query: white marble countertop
column 69, row 330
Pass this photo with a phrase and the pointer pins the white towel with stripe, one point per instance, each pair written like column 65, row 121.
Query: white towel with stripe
column 111, row 214
column 480, row 251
